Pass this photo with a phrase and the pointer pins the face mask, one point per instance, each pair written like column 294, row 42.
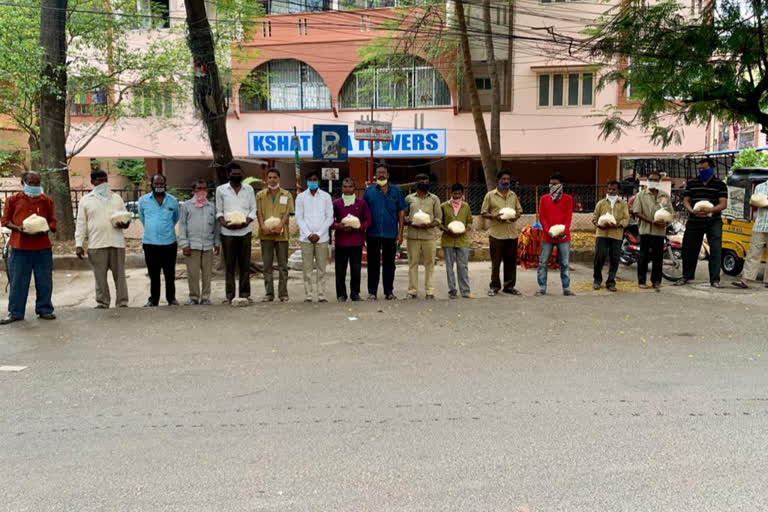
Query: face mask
column 422, row 187
column 158, row 190
column 653, row 185
column 611, row 198
column 102, row 190
column 706, row 174
column 273, row 187
column 32, row 191
column 349, row 199
column 556, row 191
column 312, row 185
column 381, row 183
column 503, row 186
column 200, row 198
column 235, row 180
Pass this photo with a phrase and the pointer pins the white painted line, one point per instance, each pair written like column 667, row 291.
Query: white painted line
column 12, row 368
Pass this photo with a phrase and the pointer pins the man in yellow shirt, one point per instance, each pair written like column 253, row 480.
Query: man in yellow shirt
column 503, row 233
column 422, row 239
column 608, row 237
column 277, row 202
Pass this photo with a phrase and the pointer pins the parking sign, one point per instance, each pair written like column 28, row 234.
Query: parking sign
column 330, row 142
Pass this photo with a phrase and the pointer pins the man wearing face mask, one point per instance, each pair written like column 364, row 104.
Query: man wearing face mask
column 608, row 237
column 555, row 208
column 652, row 232
column 422, row 239
column 314, row 215
column 106, row 242
column 277, row 202
column 31, row 253
column 159, row 213
column 236, row 238
column 349, row 240
column 503, row 234
column 707, row 221
column 199, row 238
column 387, row 207
column 456, row 246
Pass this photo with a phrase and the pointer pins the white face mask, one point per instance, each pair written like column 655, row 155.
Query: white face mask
column 102, row 190
column 273, row 187
column 653, row 185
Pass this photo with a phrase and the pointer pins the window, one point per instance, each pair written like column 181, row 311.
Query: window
column 154, row 13
column 418, row 85
column 746, row 137
column 152, row 103
column 291, row 6
column 348, row 5
column 561, row 89
column 724, row 139
column 483, row 84
column 88, row 103
column 288, row 84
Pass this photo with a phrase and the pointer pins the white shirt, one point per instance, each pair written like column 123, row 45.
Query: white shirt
column 228, row 201
column 94, row 224
column 314, row 214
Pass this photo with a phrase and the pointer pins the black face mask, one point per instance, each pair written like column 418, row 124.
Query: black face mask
column 159, row 189
column 236, row 179
column 422, row 187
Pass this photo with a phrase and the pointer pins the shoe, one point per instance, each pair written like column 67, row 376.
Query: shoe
column 251, row 302
column 740, row 284
column 612, row 288
column 46, row 316
column 101, row 306
column 173, row 302
column 656, row 285
column 681, row 282
column 391, row 296
column 267, row 298
column 372, row 297
column 453, row 296
column 227, row 302
column 513, row 291
column 150, row 304
column 540, row 293
column 468, row 296
column 410, row 296
column 205, row 302
column 308, row 300
column 493, row 293
column 9, row 320
column 429, row 297
column 341, row 299
column 642, row 286
column 715, row 284
column 192, row 302
column 596, row 286
column 355, row 298
column 323, row 300
column 568, row 293
column 284, row 299
column 122, row 305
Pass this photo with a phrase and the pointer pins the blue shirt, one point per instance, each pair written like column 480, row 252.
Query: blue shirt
column 384, row 210
column 159, row 220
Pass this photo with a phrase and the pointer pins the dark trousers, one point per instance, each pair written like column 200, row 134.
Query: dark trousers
column 237, row 256
column 354, row 257
column 651, row 250
column 161, row 258
column 695, row 229
column 22, row 264
column 503, row 250
column 610, row 249
column 381, row 252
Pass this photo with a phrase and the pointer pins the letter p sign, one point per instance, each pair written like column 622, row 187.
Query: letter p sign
column 329, row 142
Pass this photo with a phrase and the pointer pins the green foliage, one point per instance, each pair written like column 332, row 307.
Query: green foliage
column 133, row 169
column 750, row 158
column 683, row 69
column 11, row 162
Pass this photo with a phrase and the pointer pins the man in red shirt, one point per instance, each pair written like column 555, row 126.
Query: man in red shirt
column 31, row 253
column 555, row 208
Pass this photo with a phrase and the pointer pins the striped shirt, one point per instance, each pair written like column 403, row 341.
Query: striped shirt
column 712, row 191
column 761, row 215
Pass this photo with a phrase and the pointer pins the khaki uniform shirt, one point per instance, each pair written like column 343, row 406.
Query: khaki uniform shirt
column 646, row 204
column 492, row 203
column 620, row 212
column 429, row 204
column 282, row 204
column 464, row 216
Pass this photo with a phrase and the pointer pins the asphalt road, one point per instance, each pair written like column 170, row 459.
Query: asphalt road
column 602, row 402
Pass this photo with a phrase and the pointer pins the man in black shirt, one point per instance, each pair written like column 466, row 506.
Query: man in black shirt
column 706, row 221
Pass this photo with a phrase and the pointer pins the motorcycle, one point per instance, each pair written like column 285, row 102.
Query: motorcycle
column 672, row 269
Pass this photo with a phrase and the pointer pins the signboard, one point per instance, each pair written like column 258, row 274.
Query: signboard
column 330, row 142
column 405, row 143
column 735, row 208
column 330, row 173
column 373, row 130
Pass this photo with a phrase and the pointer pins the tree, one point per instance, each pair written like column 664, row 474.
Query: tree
column 681, row 68
column 442, row 36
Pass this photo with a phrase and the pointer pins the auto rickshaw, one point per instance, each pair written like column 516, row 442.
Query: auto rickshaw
column 737, row 217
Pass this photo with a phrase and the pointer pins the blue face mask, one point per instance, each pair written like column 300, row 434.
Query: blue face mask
column 32, row 191
column 706, row 174
column 312, row 185
column 503, row 186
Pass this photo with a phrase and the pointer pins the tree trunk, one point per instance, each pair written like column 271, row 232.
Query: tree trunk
column 495, row 86
column 208, row 92
column 34, row 152
column 486, row 156
column 53, row 152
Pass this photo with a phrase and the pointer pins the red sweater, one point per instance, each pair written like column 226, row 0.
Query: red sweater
column 19, row 207
column 552, row 213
